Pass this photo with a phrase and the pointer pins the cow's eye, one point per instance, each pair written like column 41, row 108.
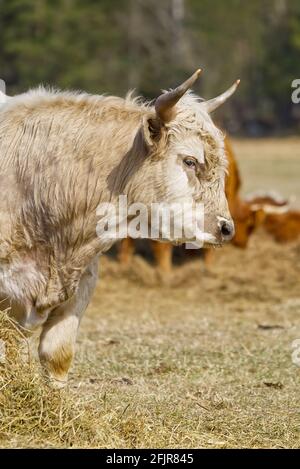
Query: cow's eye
column 190, row 162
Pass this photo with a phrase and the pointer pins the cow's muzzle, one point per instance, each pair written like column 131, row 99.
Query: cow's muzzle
column 226, row 228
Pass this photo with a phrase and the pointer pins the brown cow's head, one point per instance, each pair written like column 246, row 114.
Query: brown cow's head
column 246, row 220
column 253, row 212
column 184, row 159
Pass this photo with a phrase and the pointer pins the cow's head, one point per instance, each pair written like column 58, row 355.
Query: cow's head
column 252, row 212
column 185, row 160
column 246, row 220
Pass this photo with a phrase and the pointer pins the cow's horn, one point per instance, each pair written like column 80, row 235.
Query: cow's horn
column 164, row 104
column 214, row 103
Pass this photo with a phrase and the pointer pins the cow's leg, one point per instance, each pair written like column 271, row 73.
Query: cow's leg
column 208, row 257
column 163, row 256
column 27, row 322
column 126, row 250
column 57, row 340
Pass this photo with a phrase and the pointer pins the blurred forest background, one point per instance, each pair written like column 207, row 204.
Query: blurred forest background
column 113, row 45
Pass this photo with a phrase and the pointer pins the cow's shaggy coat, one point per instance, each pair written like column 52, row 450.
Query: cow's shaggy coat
column 61, row 154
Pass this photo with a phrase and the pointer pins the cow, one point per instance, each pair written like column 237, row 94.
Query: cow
column 279, row 220
column 65, row 154
column 283, row 227
column 270, row 202
column 245, row 215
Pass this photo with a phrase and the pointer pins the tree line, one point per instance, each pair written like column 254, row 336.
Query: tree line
column 113, row 45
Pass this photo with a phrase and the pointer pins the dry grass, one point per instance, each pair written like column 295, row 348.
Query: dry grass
column 205, row 362
column 31, row 414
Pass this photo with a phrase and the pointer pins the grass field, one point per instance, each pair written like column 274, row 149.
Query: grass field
column 206, row 362
column 271, row 164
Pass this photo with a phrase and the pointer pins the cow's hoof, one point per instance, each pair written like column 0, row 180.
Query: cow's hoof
column 56, row 384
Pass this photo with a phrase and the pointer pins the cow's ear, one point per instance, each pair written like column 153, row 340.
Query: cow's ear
column 151, row 129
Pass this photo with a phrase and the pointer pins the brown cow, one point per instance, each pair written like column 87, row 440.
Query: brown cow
column 66, row 156
column 283, row 227
column 246, row 217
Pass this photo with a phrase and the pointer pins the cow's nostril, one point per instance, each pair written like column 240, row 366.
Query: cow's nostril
column 227, row 230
